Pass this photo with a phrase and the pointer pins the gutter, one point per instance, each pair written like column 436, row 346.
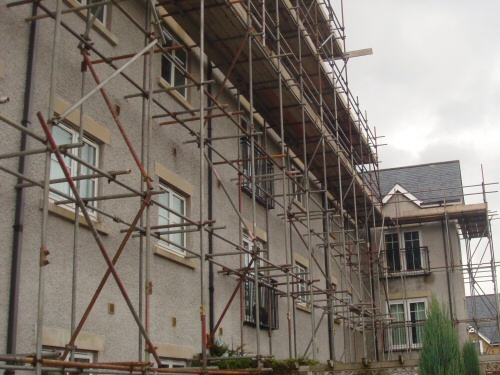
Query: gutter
column 18, row 227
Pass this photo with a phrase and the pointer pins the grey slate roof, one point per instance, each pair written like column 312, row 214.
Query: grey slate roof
column 485, row 308
column 427, row 182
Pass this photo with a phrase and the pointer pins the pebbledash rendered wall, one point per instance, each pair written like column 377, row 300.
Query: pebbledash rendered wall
column 176, row 281
column 423, row 286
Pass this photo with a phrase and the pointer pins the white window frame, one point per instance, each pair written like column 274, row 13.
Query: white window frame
column 264, row 188
column 73, row 166
column 249, row 245
column 407, row 315
column 173, row 68
column 404, row 263
column 80, row 356
column 166, row 214
column 402, row 250
column 297, row 192
column 481, row 347
column 172, row 363
column 103, row 14
column 302, row 286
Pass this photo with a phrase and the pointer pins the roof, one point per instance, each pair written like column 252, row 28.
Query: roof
column 485, row 309
column 431, row 183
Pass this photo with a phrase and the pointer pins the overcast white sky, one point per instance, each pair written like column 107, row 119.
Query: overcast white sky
column 432, row 85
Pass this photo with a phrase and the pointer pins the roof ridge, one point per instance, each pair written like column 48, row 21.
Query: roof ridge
column 421, row 165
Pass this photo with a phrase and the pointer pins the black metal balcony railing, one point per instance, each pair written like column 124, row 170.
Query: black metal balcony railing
column 403, row 336
column 268, row 301
column 408, row 262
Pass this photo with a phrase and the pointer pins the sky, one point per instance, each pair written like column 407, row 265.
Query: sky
column 432, row 85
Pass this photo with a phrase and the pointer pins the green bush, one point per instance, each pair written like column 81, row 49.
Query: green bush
column 440, row 354
column 471, row 360
column 278, row 365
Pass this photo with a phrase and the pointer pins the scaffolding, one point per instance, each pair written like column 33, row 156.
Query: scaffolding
column 295, row 124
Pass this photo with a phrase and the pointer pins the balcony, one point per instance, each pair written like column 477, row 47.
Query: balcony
column 268, row 301
column 399, row 336
column 412, row 261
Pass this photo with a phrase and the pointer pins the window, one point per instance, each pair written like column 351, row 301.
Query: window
column 302, row 287
column 268, row 297
column 90, row 154
column 101, row 16
column 412, row 258
column 170, row 72
column 83, row 357
column 412, row 251
column 264, row 170
column 297, row 191
column 392, row 252
column 177, row 203
column 406, row 329
column 479, row 346
column 172, row 363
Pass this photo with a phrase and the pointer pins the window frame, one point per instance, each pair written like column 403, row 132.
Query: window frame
column 297, row 192
column 104, row 12
column 172, row 363
column 87, row 356
column 173, row 69
column 161, row 243
column 265, row 188
column 402, row 253
column 303, row 297
column 410, row 328
column 73, row 167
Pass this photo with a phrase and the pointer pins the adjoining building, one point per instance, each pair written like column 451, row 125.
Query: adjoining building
column 483, row 314
column 420, row 252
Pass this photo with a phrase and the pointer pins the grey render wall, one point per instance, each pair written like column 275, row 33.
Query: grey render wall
column 175, row 287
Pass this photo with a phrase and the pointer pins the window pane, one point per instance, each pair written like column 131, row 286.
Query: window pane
column 62, row 137
column 178, row 206
column 177, row 203
column 102, row 12
column 179, row 79
column 166, row 69
column 302, row 286
column 417, row 316
column 412, row 249
column 392, row 252
column 88, row 187
column 163, row 214
column 398, row 325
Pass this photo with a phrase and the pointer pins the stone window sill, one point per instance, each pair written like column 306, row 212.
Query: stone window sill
column 175, row 95
column 104, row 31
column 304, row 307
column 179, row 259
column 69, row 215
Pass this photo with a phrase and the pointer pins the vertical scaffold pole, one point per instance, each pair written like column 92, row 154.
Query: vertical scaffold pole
column 202, row 189
column 45, row 212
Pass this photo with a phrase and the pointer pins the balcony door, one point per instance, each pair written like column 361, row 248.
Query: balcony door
column 412, row 251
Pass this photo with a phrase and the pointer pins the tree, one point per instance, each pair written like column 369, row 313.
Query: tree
column 471, row 360
column 440, row 353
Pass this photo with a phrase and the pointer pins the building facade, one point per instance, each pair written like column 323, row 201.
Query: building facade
column 178, row 176
column 420, row 250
